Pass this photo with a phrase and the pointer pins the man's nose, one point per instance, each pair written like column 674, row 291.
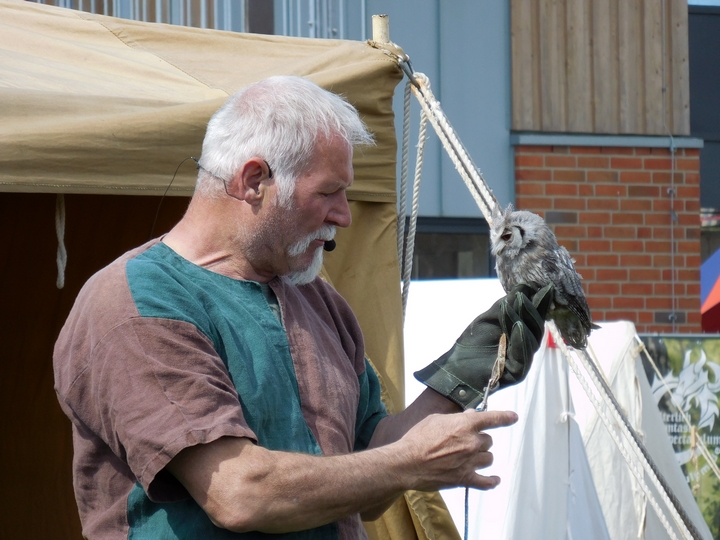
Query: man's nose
column 340, row 214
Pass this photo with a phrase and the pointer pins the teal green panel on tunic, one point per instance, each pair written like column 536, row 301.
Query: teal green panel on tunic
column 236, row 317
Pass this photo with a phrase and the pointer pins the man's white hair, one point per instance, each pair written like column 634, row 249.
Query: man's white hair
column 280, row 120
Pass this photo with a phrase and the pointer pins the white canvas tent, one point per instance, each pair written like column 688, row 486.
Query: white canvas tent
column 562, row 475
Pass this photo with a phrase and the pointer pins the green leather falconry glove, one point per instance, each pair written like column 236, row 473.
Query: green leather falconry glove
column 462, row 374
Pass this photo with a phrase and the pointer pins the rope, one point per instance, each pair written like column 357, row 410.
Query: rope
column 703, row 449
column 484, row 197
column 60, row 231
column 678, row 513
column 410, row 243
column 404, row 177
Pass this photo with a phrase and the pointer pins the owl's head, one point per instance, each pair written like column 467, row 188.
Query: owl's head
column 516, row 230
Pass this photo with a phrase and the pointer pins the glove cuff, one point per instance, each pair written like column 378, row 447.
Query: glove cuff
column 448, row 385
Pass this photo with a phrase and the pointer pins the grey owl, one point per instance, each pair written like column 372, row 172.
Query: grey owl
column 526, row 251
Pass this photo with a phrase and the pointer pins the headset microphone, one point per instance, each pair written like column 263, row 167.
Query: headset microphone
column 329, row 245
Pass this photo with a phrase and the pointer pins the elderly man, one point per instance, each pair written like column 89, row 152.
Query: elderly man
column 218, row 388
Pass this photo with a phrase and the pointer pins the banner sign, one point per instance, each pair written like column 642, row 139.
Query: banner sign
column 690, row 384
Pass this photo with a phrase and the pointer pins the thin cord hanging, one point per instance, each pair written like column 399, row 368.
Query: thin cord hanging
column 404, row 158
column 157, row 213
column 61, row 257
column 410, row 243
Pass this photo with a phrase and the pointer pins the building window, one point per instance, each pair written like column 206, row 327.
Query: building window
column 452, row 248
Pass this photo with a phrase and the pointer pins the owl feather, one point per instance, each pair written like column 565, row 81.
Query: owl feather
column 526, row 251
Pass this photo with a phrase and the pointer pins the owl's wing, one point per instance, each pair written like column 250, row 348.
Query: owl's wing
column 568, row 288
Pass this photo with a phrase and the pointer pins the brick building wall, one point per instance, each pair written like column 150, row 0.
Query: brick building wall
column 611, row 209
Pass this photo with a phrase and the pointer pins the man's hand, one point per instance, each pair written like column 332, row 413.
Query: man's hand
column 451, row 448
column 462, row 373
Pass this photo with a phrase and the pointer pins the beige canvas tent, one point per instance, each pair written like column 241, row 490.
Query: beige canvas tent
column 96, row 114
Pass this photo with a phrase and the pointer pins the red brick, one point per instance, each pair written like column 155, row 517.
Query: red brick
column 637, row 259
column 611, row 274
column 567, row 203
column 635, row 205
column 601, row 176
column 594, row 232
column 660, row 151
column 644, row 232
column 533, row 160
column 619, row 315
column 692, row 178
column 627, row 246
column 604, row 259
column 593, row 162
column 645, row 317
column 568, row 175
column 662, row 232
column 657, row 247
column 661, row 205
column 533, row 174
column 626, row 163
column 621, row 150
column 657, row 219
column 561, row 149
column 692, row 233
column 627, row 218
column 586, row 190
column 619, row 232
column 688, row 246
column 692, row 220
column 645, row 274
column 604, row 288
column 587, row 274
column 603, row 204
column 599, row 302
column 688, row 303
column 533, row 203
column 693, row 289
column 569, row 231
column 659, row 303
column 692, row 206
column 687, row 164
column 688, row 274
column 595, row 245
column 658, row 163
column 628, row 302
column 642, row 151
column 579, row 259
column 560, row 161
column 635, row 177
column 596, row 218
column 527, row 148
column 530, row 188
column 688, row 192
column 692, row 261
column 611, row 190
column 643, row 191
column 560, row 189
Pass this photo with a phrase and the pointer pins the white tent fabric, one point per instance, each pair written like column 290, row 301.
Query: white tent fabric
column 557, row 483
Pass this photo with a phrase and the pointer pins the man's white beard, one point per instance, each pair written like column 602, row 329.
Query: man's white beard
column 301, row 277
column 310, row 273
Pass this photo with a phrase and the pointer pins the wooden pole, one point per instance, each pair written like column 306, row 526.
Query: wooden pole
column 381, row 28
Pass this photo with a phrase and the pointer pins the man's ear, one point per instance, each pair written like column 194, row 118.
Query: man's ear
column 250, row 181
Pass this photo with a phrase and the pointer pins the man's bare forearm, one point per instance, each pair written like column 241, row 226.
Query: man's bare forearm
column 244, row 487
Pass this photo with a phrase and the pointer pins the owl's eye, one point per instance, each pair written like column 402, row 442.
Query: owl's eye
column 506, row 235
